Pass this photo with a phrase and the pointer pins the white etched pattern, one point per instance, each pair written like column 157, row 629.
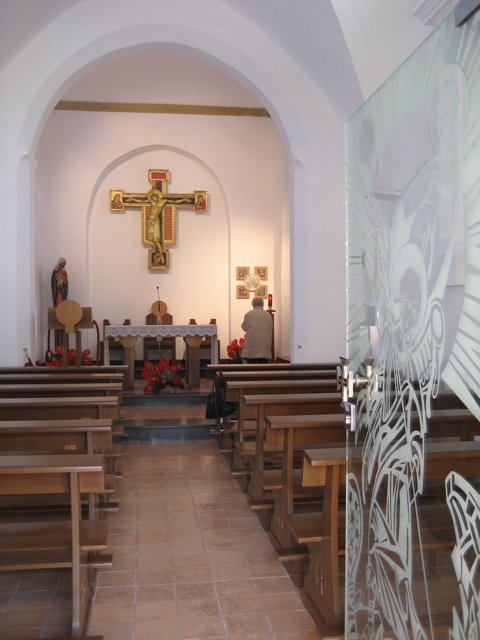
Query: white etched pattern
column 413, row 253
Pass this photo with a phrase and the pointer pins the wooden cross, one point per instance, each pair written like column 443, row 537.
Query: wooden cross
column 158, row 214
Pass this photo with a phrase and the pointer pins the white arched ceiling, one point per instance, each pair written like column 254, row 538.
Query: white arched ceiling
column 91, row 34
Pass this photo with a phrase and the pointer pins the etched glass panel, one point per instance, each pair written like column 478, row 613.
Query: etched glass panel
column 413, row 238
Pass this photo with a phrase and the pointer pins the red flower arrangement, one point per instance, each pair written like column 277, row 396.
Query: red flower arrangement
column 162, row 376
column 234, row 350
column 57, row 360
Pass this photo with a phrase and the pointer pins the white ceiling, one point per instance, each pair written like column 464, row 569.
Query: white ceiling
column 345, row 46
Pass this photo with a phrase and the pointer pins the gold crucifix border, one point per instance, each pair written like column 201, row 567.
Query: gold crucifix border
column 158, row 213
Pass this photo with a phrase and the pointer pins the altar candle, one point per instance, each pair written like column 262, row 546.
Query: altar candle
column 270, row 297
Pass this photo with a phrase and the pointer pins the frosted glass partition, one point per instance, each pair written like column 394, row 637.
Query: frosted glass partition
column 413, row 254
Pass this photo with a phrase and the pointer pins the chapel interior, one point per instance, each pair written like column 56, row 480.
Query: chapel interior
column 233, row 112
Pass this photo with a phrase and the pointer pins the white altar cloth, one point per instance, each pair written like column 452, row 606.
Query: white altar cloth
column 154, row 330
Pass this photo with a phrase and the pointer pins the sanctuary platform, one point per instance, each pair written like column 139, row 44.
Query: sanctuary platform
column 176, row 416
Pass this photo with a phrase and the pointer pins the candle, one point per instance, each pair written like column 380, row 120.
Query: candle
column 270, row 298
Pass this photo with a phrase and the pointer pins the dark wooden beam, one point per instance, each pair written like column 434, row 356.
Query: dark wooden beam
column 134, row 107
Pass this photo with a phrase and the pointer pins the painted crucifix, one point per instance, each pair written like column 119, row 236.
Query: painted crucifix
column 158, row 214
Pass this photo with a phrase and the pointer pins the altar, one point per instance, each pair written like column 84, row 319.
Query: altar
column 192, row 333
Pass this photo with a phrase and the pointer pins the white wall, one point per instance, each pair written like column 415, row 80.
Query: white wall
column 239, row 161
column 91, row 34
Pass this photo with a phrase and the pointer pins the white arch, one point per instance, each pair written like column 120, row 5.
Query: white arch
column 92, row 33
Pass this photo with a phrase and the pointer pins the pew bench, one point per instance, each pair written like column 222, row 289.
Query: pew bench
column 52, row 377
column 51, row 437
column 324, row 532
column 44, row 370
column 294, row 434
column 249, row 453
column 60, row 390
column 236, row 391
column 212, row 369
column 65, row 408
column 74, row 544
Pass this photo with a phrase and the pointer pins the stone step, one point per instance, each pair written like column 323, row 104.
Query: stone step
column 162, row 430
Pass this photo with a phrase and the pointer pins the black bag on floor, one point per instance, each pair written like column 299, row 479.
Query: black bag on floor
column 217, row 405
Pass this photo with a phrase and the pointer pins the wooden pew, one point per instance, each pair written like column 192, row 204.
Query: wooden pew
column 324, row 532
column 237, row 390
column 271, row 366
column 49, row 437
column 63, row 378
column 292, row 434
column 250, row 453
column 66, row 408
column 77, row 436
column 58, row 390
column 284, row 374
column 39, row 544
column 44, row 370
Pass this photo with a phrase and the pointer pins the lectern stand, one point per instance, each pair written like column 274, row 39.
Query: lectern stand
column 70, row 317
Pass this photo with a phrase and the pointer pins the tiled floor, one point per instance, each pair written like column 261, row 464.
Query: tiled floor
column 191, row 561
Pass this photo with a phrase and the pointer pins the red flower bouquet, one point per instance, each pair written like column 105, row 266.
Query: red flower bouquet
column 234, row 351
column 57, row 359
column 163, row 376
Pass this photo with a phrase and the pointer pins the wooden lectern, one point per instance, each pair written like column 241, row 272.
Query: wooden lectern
column 70, row 317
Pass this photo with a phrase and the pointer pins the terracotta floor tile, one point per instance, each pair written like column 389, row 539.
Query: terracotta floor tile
column 266, row 569
column 229, row 571
column 217, row 535
column 31, row 599
column 156, row 563
column 9, row 582
column 153, row 550
column 273, row 585
column 260, row 555
column 33, row 633
column 123, row 551
column 158, row 537
column 39, row 582
column 115, row 595
column 192, row 560
column 246, row 623
column 113, row 631
column 62, row 631
column 185, row 536
column 225, row 557
column 122, row 564
column 235, row 588
column 145, row 578
column 312, row 634
column 156, row 593
column 207, row 606
column 157, row 630
column 254, row 636
column 113, row 613
column 156, row 610
column 290, row 621
column 192, row 574
column 186, row 548
column 59, row 617
column 283, row 602
column 123, row 540
column 214, row 523
column 210, row 627
column 15, row 619
column 116, row 579
column 246, row 604
column 198, row 590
